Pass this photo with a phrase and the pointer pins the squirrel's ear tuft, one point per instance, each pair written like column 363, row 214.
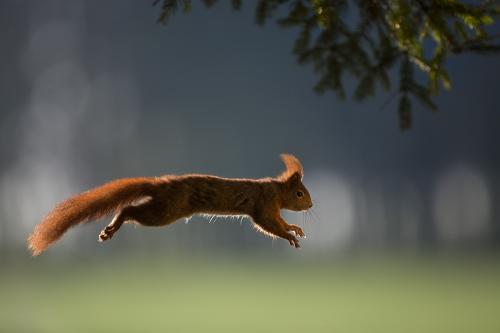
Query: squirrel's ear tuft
column 293, row 166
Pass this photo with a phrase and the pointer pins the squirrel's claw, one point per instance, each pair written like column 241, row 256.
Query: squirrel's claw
column 294, row 242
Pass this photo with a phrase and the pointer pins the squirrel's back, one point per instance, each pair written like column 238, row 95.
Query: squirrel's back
column 216, row 195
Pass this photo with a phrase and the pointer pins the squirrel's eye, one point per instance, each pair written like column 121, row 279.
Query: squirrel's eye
column 299, row 194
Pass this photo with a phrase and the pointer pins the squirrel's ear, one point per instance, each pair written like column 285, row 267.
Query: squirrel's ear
column 293, row 166
column 295, row 177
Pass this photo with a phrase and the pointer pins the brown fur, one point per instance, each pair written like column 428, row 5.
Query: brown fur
column 163, row 200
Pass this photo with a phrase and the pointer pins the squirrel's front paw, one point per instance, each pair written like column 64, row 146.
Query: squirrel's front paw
column 297, row 230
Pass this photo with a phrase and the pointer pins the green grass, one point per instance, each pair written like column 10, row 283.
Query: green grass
column 252, row 295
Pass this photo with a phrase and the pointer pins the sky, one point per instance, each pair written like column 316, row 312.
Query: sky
column 92, row 91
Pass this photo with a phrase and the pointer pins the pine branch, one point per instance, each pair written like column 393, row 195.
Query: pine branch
column 386, row 31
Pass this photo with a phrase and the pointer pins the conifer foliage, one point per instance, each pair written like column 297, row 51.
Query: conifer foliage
column 366, row 39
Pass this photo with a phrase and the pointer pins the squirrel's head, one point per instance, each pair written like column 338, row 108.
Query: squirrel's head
column 295, row 194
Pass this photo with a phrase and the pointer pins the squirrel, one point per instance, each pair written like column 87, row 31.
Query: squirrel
column 159, row 201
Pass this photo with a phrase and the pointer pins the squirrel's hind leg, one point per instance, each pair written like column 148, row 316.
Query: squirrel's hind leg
column 126, row 214
column 150, row 213
column 113, row 227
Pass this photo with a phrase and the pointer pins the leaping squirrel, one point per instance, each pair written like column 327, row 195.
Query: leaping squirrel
column 159, row 201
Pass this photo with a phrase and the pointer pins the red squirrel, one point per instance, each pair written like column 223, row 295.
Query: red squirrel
column 159, row 201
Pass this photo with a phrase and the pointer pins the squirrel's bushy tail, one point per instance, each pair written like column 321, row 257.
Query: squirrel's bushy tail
column 86, row 206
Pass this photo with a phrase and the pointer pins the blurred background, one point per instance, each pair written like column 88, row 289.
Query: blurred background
column 405, row 230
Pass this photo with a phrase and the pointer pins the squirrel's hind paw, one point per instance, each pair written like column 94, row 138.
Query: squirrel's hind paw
column 106, row 233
